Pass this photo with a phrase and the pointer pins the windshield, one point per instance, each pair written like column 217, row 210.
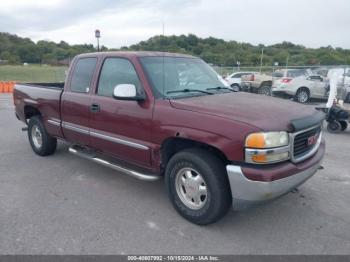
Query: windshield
column 179, row 76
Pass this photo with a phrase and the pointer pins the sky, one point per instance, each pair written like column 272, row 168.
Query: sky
column 312, row 23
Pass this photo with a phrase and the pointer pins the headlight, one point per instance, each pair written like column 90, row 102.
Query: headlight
column 269, row 147
column 267, row 140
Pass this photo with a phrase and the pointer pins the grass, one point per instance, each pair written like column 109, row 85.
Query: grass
column 32, row 73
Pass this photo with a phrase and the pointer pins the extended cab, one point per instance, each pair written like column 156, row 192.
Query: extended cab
column 153, row 115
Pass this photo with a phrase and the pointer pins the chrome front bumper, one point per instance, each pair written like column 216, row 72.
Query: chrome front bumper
column 246, row 193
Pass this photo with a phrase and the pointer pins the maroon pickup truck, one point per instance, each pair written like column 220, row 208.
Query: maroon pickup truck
column 153, row 115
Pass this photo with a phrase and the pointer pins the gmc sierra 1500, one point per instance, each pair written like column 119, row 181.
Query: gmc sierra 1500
column 153, row 115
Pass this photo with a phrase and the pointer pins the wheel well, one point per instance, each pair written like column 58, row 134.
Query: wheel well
column 266, row 83
column 303, row 88
column 30, row 111
column 173, row 145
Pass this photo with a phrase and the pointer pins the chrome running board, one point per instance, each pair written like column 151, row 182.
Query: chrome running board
column 145, row 177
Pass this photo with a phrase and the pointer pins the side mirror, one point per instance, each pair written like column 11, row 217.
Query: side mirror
column 127, row 92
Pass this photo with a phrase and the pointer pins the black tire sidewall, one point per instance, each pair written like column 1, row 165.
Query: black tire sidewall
column 48, row 143
column 263, row 88
column 332, row 130
column 301, row 91
column 172, row 189
column 218, row 197
column 236, row 87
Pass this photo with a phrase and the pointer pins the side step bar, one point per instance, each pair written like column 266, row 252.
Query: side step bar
column 145, row 177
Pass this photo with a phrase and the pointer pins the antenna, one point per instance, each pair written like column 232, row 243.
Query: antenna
column 163, row 73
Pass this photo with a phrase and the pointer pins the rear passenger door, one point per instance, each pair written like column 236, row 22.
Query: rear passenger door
column 76, row 100
column 117, row 127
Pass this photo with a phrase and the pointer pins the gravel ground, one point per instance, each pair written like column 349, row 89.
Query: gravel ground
column 66, row 205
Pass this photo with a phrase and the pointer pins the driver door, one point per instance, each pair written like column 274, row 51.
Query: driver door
column 120, row 128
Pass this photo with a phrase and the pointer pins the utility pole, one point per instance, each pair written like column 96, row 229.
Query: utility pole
column 261, row 58
column 98, row 35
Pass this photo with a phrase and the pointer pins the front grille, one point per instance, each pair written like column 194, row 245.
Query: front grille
column 305, row 142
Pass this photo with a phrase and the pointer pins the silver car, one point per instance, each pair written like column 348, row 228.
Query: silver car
column 301, row 84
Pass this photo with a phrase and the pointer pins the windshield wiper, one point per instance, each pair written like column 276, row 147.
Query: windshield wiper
column 186, row 90
column 220, row 88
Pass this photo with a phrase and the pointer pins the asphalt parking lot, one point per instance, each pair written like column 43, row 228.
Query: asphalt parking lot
column 66, row 205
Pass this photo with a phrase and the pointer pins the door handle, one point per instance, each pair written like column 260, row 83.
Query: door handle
column 95, row 108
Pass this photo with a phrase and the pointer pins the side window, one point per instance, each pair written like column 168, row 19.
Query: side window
column 116, row 71
column 82, row 75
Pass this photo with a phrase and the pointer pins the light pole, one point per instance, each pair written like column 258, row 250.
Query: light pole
column 98, row 35
column 273, row 68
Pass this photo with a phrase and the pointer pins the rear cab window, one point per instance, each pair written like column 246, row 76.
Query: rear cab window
column 82, row 75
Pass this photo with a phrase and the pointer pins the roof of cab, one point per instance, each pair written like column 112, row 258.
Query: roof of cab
column 135, row 54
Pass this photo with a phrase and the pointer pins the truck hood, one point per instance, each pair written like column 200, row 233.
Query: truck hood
column 263, row 112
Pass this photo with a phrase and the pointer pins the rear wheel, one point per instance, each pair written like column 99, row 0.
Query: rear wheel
column 41, row 142
column 265, row 90
column 334, row 127
column 198, row 186
column 302, row 96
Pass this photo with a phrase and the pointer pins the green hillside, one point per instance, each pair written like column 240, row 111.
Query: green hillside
column 16, row 50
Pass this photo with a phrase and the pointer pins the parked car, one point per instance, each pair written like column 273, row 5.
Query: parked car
column 260, row 83
column 235, row 81
column 297, row 83
column 152, row 115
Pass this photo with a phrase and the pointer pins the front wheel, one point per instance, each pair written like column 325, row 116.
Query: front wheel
column 41, row 142
column 198, row 186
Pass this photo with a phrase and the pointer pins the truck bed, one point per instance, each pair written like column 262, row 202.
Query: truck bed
column 45, row 97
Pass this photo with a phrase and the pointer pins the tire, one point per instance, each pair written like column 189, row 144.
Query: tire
column 265, row 90
column 302, row 96
column 236, row 88
column 334, row 127
column 200, row 169
column 41, row 142
column 344, row 125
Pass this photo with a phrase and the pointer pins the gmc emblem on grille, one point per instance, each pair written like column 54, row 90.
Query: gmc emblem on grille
column 312, row 140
